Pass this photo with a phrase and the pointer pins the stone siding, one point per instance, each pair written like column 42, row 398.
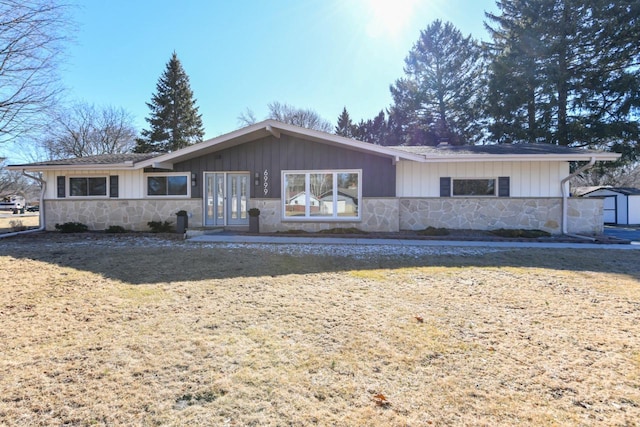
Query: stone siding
column 494, row 213
column 132, row 214
column 584, row 215
column 378, row 215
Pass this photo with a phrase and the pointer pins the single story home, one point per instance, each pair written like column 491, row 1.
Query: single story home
column 310, row 180
column 621, row 205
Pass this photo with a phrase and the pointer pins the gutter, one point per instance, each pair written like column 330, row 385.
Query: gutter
column 40, row 211
column 565, row 196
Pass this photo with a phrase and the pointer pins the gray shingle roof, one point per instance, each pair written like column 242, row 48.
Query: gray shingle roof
column 103, row 159
column 520, row 149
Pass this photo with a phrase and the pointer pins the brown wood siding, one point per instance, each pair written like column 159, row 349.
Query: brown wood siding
column 290, row 153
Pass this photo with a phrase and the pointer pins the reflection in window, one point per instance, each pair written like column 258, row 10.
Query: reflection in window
column 474, row 187
column 83, row 187
column 295, row 195
column 321, row 194
column 172, row 185
column 329, row 195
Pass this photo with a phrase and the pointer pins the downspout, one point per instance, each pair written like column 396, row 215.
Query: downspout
column 40, row 211
column 565, row 196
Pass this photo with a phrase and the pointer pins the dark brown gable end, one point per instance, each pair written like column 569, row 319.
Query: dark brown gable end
column 289, row 153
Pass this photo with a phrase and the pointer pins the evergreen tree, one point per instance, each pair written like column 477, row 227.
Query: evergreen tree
column 345, row 125
column 441, row 90
column 516, row 73
column 566, row 72
column 174, row 120
column 373, row 130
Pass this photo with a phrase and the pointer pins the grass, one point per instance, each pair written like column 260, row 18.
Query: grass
column 9, row 223
column 96, row 334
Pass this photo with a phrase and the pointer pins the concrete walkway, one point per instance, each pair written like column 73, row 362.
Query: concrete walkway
column 244, row 238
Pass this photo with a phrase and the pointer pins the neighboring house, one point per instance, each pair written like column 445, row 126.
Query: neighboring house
column 621, row 205
column 305, row 179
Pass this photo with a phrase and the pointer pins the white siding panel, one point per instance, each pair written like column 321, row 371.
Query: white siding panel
column 634, row 209
column 130, row 182
column 528, row 179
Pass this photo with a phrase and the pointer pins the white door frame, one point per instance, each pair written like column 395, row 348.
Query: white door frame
column 220, row 206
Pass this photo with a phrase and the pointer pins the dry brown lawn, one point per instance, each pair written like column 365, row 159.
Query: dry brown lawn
column 9, row 223
column 110, row 331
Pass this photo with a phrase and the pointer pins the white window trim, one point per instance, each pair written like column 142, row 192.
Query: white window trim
column 145, row 185
column 307, row 217
column 68, row 186
column 482, row 178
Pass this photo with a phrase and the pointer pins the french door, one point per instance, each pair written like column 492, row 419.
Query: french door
column 226, row 198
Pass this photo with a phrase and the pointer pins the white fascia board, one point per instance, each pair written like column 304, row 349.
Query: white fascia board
column 100, row 167
column 162, row 165
column 521, row 157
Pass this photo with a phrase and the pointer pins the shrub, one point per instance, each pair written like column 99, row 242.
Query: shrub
column 433, row 231
column 72, row 227
column 114, row 229
column 160, row 226
column 254, row 212
column 17, row 225
column 528, row 234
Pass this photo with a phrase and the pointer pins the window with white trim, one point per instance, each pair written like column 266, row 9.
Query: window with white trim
column 321, row 195
column 94, row 186
column 166, row 185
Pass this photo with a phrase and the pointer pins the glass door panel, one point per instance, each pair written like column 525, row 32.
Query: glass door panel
column 219, row 199
column 238, row 198
column 209, row 199
column 226, row 199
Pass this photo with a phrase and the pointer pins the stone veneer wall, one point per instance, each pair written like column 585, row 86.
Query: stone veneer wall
column 132, row 214
column 583, row 216
column 378, row 215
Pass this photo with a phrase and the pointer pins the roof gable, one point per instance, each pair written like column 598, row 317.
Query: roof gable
column 275, row 129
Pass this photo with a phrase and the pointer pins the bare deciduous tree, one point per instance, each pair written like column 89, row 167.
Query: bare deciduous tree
column 14, row 182
column 289, row 114
column 32, row 33
column 302, row 117
column 605, row 175
column 86, row 130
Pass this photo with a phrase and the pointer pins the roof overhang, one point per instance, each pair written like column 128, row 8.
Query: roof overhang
column 41, row 168
column 274, row 129
column 574, row 157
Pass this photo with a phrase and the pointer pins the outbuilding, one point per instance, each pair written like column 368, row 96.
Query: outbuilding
column 621, row 204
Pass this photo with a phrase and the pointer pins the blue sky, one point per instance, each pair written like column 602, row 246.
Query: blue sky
column 318, row 54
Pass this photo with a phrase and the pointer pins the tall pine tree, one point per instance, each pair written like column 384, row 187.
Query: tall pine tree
column 174, row 120
column 566, row 72
column 442, row 86
column 345, row 125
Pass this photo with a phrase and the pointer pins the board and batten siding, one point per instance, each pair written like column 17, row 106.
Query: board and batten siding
column 634, row 209
column 130, row 182
column 289, row 153
column 527, row 179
